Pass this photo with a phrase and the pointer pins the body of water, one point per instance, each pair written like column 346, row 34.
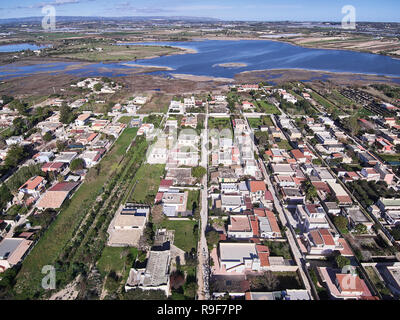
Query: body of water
column 20, row 47
column 253, row 54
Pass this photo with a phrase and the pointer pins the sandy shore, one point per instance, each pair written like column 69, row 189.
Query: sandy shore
column 231, row 65
column 145, row 66
column 200, row 78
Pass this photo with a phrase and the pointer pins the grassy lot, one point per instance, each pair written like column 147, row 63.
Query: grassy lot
column 255, row 122
column 148, row 180
column 219, row 123
column 322, row 101
column 380, row 285
column 284, row 144
column 268, row 108
column 113, row 258
column 193, row 199
column 154, row 119
column 278, row 248
column 114, row 52
column 390, row 157
column 62, row 229
column 125, row 119
column 185, row 233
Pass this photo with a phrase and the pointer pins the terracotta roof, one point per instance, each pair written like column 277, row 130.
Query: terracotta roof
column 257, row 186
column 327, row 237
column 268, row 196
column 346, row 283
column 32, row 183
column 254, row 226
column 260, row 212
column 166, row 183
column 64, row 186
column 272, row 221
column 297, row 154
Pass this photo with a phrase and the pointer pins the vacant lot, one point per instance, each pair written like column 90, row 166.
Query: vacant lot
column 148, row 180
column 268, row 108
column 62, row 229
column 185, row 233
column 114, row 259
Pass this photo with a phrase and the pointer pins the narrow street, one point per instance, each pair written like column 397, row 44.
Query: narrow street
column 203, row 268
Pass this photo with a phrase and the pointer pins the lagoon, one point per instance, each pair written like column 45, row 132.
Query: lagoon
column 213, row 56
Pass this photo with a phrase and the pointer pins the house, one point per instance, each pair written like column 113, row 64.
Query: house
column 257, row 190
column 291, row 295
column 246, row 105
column 33, row 186
column 311, row 216
column 189, row 121
column 326, row 138
column 322, row 242
column 155, row 276
column 367, row 158
column 145, row 129
column 128, row 225
column 370, row 174
column 14, row 140
column 82, row 119
column 298, row 155
column 283, row 169
column 239, row 227
column 139, row 100
column 176, row 107
column 232, row 203
column 241, row 257
column 53, row 167
column 56, row 195
column 343, row 286
column 385, row 173
column 12, row 251
column 66, row 157
column 43, row 157
column 294, row 133
column 174, row 203
column 384, row 146
column 356, row 216
column 390, row 209
column 92, row 158
column 267, row 224
column 292, row 196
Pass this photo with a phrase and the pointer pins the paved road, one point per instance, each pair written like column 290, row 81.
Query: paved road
column 203, row 269
column 284, row 217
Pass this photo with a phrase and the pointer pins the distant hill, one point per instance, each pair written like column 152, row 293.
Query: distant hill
column 135, row 18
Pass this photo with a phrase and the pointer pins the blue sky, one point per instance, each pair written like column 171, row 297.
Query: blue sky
column 268, row 10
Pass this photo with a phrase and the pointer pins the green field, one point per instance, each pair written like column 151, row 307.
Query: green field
column 62, row 229
column 113, row 258
column 193, row 199
column 125, row 119
column 185, row 234
column 113, row 52
column 219, row 123
column 148, row 180
column 268, row 108
column 390, row 157
column 255, row 122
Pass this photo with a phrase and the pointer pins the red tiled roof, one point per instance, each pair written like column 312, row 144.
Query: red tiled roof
column 346, row 283
column 272, row 221
column 64, row 186
column 257, row 186
column 268, row 196
column 166, row 183
column 32, row 183
column 260, row 212
column 327, row 237
column 254, row 226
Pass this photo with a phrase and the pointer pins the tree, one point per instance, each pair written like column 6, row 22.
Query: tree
column 19, row 106
column 267, row 281
column 340, row 222
column 66, row 114
column 14, row 155
column 48, row 136
column 342, row 261
column 77, row 164
column 5, row 196
column 361, row 228
column 61, row 145
column 198, row 172
column 98, row 87
column 190, row 289
column 212, row 238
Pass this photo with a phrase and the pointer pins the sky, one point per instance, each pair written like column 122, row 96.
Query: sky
column 260, row 10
